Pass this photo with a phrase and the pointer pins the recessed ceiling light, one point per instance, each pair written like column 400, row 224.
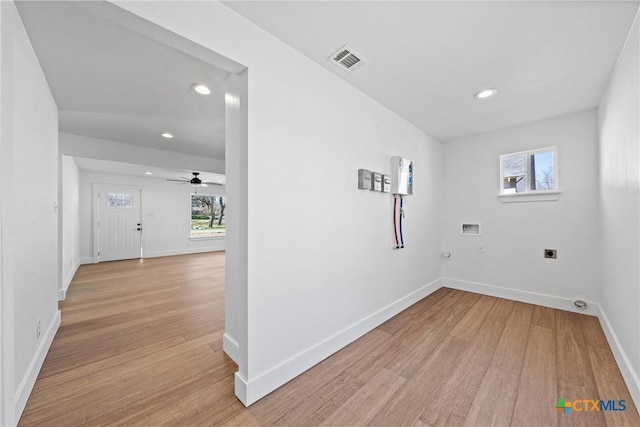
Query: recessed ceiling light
column 201, row 89
column 167, row 135
column 485, row 93
column 148, row 173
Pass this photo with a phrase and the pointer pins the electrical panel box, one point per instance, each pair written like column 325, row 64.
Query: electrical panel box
column 401, row 176
column 376, row 181
column 386, row 183
column 364, row 179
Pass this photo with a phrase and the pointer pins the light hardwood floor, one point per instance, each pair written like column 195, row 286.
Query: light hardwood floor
column 141, row 344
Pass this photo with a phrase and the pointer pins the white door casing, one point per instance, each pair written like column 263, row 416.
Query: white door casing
column 118, row 222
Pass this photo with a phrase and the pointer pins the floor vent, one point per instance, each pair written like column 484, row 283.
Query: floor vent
column 347, row 59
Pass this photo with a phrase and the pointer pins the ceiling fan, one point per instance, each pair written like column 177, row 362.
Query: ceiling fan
column 195, row 181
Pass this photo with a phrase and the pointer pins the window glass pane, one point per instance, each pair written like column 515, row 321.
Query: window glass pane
column 208, row 217
column 120, row 200
column 513, row 173
column 542, row 171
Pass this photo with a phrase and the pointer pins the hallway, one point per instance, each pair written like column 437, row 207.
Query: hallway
column 135, row 336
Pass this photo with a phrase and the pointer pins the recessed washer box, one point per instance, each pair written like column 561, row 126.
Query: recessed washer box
column 471, row 229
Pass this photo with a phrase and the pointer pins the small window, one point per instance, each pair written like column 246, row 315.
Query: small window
column 529, row 172
column 120, row 200
column 207, row 216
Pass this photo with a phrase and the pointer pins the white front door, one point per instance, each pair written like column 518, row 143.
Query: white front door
column 119, row 223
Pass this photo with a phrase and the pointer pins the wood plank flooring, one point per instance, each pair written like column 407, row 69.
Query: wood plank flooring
column 141, row 345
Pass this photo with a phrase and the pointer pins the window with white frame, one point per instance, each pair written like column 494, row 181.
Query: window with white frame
column 207, row 216
column 529, row 172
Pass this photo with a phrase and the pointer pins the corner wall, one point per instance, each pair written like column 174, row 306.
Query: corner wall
column 515, row 234
column 29, row 145
column 320, row 270
column 70, row 210
column 619, row 126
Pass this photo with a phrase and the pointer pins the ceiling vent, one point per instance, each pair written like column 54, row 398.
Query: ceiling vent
column 347, row 59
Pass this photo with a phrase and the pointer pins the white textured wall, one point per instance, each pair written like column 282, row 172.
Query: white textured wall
column 29, row 224
column 166, row 215
column 321, row 270
column 619, row 116
column 515, row 234
column 70, row 210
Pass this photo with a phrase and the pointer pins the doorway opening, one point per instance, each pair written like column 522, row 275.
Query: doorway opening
column 99, row 134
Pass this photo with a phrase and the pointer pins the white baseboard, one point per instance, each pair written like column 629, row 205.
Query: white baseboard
column 240, row 388
column 62, row 293
column 231, row 347
column 249, row 391
column 29, row 379
column 186, row 251
column 629, row 374
column 172, row 252
column 545, row 300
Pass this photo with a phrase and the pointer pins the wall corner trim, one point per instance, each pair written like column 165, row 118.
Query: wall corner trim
column 629, row 375
column 250, row 391
column 241, row 388
column 26, row 384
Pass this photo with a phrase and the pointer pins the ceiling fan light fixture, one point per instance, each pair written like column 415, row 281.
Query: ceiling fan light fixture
column 195, row 181
column 167, row 135
column 201, row 89
column 485, row 93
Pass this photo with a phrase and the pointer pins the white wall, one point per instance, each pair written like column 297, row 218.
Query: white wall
column 515, row 234
column 166, row 213
column 29, row 223
column 321, row 270
column 70, row 211
column 236, row 257
column 619, row 119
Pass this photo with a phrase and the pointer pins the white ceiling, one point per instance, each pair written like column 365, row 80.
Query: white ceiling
column 113, row 82
column 127, row 169
column 426, row 61
column 428, row 58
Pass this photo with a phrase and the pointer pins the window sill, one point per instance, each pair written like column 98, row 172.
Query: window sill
column 207, row 238
column 547, row 196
